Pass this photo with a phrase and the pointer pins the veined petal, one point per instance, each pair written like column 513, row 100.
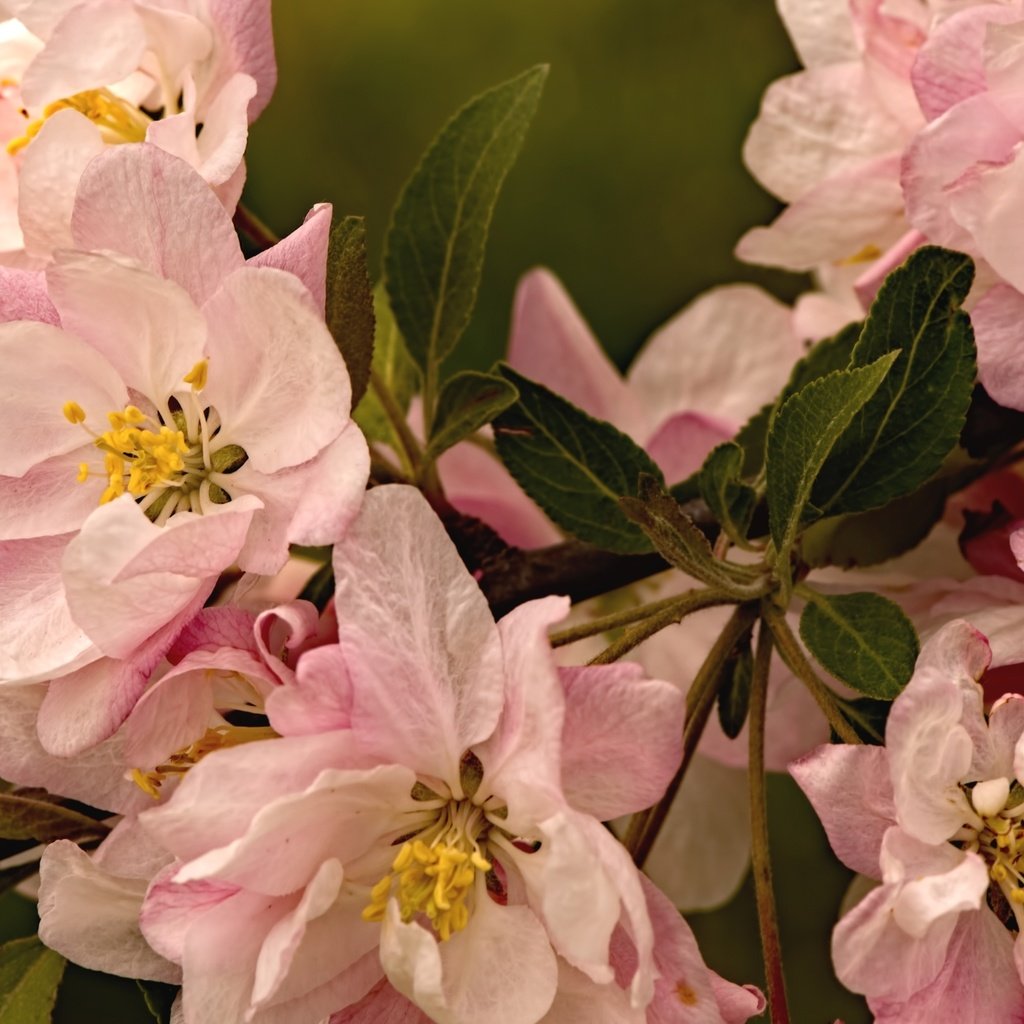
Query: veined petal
column 304, row 252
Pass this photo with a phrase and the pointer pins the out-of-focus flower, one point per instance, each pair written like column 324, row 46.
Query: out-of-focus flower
column 202, row 405
column 936, row 816
column 187, row 77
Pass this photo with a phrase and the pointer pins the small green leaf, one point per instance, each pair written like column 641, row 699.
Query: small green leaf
column 903, row 434
column 468, row 401
column 802, row 434
column 159, row 998
column 573, row 466
column 434, row 248
column 734, row 693
column 394, row 368
column 30, row 975
column 731, row 500
column 350, row 301
column 675, row 535
column 864, row 640
column 23, row 817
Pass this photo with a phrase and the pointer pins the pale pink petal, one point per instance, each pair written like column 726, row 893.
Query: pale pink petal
column 621, row 741
column 702, row 852
column 117, row 42
column 218, row 798
column 850, row 791
column 551, row 343
column 244, row 30
column 478, row 485
column 92, row 917
column 50, row 171
column 977, row 985
column 867, row 284
column 342, row 988
column 39, row 16
column 129, row 851
column 43, row 368
column 213, row 628
column 816, row 124
column 381, row 1005
column 267, row 345
column 318, row 824
column 225, row 131
column 178, row 38
column 580, row 999
column 153, row 207
column 318, row 700
column 95, row 777
column 170, row 909
column 833, row 221
column 417, row 635
column 48, row 499
column 997, row 320
column 282, row 631
column 38, row 637
column 23, row 296
column 821, row 30
column 304, row 252
column 156, row 336
column 683, row 442
column 725, row 355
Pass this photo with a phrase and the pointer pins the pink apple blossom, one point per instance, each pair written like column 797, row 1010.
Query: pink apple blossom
column 174, row 385
column 467, row 759
column 187, row 77
column 935, row 816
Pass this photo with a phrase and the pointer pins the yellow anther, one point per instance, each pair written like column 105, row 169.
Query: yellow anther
column 197, row 375
column 83, row 472
column 865, row 255
column 117, row 120
column 1017, row 896
column 998, row 873
column 148, row 782
column 404, row 858
column 74, row 413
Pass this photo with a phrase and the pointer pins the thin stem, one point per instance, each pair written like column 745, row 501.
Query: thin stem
column 761, row 863
column 652, row 618
column 793, row 655
column 409, row 448
column 383, row 470
column 645, row 826
column 254, row 229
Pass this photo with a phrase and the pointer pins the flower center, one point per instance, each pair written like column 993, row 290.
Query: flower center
column 169, row 462
column 998, row 836
column 435, row 871
column 117, row 119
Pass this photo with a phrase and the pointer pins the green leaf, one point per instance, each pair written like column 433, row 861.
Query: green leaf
column 24, row 817
column 468, row 401
column 734, row 693
column 802, row 434
column 159, row 998
column 825, row 357
column 573, row 466
column 393, row 368
column 30, row 975
column 901, row 437
column 864, row 640
column 435, row 245
column 350, row 301
column 731, row 501
column 676, row 536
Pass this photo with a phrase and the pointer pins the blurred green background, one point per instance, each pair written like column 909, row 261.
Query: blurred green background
column 630, row 188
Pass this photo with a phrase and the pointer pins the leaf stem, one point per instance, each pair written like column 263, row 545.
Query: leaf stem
column 645, row 826
column 409, row 451
column 793, row 655
column 655, row 617
column 761, row 863
column 254, row 229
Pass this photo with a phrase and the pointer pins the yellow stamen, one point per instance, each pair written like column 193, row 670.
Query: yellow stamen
column 74, row 413
column 197, row 375
column 83, row 472
column 117, row 120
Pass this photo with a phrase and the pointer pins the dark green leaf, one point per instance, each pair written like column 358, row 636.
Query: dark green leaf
column 865, row 640
column 468, row 401
column 30, row 975
column 393, row 368
column 803, row 433
column 823, row 358
column 573, row 466
column 731, row 500
column 901, row 437
column 675, row 535
column 159, row 998
column 23, row 817
column 350, row 301
column 734, row 693
column 435, row 245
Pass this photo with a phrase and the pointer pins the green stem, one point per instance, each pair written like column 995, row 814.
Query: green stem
column 645, row 826
column 760, row 853
column 652, row 618
column 253, row 228
column 409, row 450
column 383, row 470
column 793, row 655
